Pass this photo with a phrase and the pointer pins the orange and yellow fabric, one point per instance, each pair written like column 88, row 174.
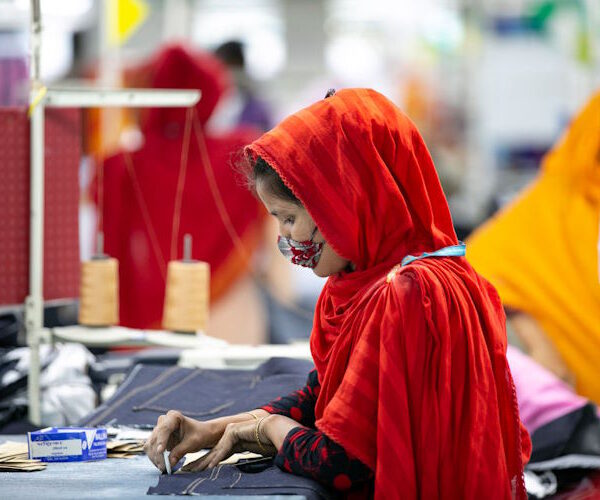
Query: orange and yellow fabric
column 541, row 251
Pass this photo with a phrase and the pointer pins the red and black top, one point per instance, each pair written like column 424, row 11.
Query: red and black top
column 309, row 452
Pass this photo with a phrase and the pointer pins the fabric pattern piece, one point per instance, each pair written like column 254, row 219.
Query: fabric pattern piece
column 149, row 391
column 240, row 480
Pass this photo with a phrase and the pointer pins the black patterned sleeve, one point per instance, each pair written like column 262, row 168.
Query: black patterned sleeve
column 311, row 453
column 299, row 405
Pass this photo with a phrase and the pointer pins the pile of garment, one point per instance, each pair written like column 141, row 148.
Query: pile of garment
column 67, row 393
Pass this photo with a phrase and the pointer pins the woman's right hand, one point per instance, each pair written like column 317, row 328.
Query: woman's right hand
column 180, row 435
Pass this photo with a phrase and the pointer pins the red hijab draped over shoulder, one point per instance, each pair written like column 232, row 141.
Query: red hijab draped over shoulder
column 411, row 360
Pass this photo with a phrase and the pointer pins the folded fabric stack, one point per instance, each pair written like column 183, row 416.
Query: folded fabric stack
column 15, row 458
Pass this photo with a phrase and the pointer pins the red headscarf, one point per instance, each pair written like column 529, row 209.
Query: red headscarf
column 139, row 233
column 411, row 360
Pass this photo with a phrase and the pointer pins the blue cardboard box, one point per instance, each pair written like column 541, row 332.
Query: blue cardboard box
column 67, row 444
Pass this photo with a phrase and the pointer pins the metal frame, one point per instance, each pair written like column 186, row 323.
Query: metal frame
column 86, row 97
column 66, row 98
column 39, row 99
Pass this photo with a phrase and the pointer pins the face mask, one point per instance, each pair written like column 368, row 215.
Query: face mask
column 303, row 253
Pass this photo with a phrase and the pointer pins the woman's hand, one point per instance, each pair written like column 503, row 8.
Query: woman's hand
column 239, row 437
column 180, row 435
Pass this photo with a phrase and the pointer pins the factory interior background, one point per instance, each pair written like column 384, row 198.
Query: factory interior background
column 506, row 94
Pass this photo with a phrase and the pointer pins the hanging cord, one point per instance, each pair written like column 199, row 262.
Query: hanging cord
column 100, row 205
column 233, row 234
column 158, row 254
column 185, row 149
column 160, row 260
column 192, row 120
column 214, row 189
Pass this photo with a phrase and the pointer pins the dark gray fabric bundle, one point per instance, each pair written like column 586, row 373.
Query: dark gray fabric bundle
column 149, row 391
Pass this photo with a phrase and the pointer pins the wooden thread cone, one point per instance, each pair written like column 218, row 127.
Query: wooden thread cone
column 187, row 294
column 99, row 292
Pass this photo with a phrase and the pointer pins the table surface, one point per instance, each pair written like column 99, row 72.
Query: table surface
column 124, row 478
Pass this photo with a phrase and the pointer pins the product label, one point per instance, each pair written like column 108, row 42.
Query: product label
column 56, row 448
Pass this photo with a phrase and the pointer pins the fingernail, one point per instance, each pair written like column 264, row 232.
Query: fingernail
column 159, row 448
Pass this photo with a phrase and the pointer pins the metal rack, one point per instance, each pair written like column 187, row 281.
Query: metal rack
column 40, row 98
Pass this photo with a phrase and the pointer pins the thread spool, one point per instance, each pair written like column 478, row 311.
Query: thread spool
column 187, row 293
column 99, row 290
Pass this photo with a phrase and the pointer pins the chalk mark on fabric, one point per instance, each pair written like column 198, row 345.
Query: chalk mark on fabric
column 236, row 481
column 169, row 389
column 135, row 391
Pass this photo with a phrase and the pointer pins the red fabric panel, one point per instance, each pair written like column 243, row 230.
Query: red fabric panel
column 127, row 238
column 411, row 361
column 157, row 164
column 61, row 240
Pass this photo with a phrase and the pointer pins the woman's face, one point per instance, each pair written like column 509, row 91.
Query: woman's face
column 295, row 223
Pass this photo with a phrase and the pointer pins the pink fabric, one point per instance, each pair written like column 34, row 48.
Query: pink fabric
column 542, row 396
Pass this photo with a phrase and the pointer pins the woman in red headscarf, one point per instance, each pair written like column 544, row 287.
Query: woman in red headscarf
column 412, row 396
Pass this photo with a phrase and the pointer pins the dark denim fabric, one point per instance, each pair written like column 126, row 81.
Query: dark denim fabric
column 149, row 391
column 254, row 478
column 577, row 434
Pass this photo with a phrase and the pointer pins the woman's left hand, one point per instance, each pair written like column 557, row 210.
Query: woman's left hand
column 238, row 437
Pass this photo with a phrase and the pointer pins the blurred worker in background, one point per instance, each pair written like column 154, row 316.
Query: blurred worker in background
column 245, row 106
column 541, row 254
column 138, row 202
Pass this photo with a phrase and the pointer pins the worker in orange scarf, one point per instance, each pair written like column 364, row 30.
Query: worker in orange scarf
column 541, row 254
column 409, row 342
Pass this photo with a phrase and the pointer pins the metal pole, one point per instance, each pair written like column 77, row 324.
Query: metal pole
column 34, row 304
column 34, row 311
column 36, row 40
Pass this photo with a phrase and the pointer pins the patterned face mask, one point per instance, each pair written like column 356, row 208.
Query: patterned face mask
column 302, row 253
